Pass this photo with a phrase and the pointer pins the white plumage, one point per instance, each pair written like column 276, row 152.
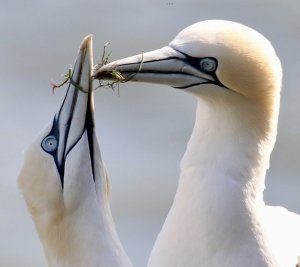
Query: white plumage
column 218, row 217
column 65, row 183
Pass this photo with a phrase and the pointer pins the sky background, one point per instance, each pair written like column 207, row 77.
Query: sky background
column 143, row 131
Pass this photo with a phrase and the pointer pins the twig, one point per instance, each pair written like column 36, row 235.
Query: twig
column 68, row 79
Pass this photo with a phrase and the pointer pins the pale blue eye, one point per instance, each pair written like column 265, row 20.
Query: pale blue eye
column 50, row 143
column 208, row 64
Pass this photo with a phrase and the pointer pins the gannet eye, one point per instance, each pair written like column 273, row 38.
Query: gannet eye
column 49, row 144
column 208, row 64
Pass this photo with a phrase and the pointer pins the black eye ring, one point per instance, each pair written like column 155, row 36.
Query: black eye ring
column 208, row 64
column 50, row 143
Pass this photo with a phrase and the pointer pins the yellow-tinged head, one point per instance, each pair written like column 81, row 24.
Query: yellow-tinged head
column 246, row 60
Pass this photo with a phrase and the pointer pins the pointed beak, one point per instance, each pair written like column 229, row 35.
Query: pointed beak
column 76, row 114
column 163, row 66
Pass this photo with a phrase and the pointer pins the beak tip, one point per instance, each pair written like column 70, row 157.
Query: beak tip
column 96, row 72
column 86, row 40
column 87, row 43
column 81, row 77
column 103, row 71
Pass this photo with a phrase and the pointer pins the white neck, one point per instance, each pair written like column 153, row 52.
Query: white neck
column 82, row 238
column 75, row 224
column 215, row 218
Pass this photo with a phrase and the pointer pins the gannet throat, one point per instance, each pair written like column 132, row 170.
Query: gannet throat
column 218, row 217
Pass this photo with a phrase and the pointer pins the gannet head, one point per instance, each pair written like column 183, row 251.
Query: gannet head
column 207, row 57
column 63, row 179
column 52, row 163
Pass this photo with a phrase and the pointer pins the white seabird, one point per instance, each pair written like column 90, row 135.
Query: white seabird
column 219, row 217
column 65, row 184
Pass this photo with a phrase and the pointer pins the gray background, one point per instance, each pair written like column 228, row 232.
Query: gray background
column 143, row 132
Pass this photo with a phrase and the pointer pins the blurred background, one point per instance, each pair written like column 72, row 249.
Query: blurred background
column 144, row 129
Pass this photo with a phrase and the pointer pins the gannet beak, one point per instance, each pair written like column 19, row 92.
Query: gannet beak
column 76, row 114
column 164, row 66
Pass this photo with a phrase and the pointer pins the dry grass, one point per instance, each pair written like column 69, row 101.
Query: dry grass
column 115, row 77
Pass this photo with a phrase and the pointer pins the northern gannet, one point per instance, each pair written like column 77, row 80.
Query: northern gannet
column 65, row 183
column 219, row 217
